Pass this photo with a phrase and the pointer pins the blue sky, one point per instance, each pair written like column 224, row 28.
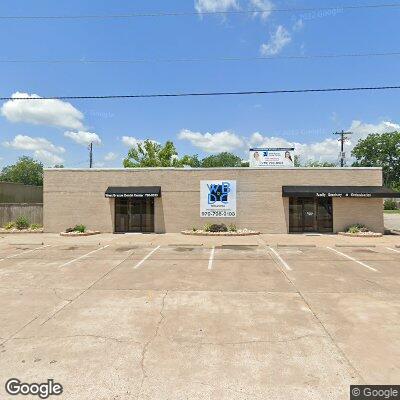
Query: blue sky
column 59, row 131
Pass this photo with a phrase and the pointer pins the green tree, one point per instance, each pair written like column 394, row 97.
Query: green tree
column 224, row 159
column 153, row 154
column 26, row 170
column 380, row 150
column 190, row 161
column 319, row 164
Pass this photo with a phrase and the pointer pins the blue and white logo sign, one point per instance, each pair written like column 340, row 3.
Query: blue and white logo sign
column 218, row 199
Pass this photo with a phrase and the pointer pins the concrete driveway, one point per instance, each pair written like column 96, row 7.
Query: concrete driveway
column 392, row 221
column 174, row 317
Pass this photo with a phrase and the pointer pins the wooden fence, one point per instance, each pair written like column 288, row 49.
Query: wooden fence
column 11, row 211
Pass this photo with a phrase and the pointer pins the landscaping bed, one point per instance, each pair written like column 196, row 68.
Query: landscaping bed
column 79, row 230
column 220, row 230
column 74, row 233
column 359, row 230
column 21, row 225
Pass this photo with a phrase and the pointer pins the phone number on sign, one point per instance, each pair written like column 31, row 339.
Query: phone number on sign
column 219, row 213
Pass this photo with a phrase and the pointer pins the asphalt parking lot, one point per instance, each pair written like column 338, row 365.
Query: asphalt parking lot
column 173, row 317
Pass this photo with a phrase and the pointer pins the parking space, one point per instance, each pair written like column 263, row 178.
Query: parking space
column 165, row 319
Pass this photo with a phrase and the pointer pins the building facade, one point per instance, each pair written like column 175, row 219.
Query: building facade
column 282, row 200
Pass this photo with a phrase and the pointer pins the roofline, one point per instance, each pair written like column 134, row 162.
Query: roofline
column 215, row 169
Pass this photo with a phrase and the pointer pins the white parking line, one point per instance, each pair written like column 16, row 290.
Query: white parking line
column 397, row 251
column 24, row 252
column 85, row 255
column 353, row 259
column 210, row 260
column 145, row 258
column 283, row 262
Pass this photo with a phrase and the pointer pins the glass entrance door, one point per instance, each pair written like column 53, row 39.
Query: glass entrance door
column 308, row 214
column 134, row 215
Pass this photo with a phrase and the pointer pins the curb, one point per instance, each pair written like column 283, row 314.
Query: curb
column 19, row 232
column 74, row 234
column 191, row 233
column 360, row 235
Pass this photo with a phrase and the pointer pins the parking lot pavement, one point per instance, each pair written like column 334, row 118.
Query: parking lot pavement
column 171, row 317
column 237, row 268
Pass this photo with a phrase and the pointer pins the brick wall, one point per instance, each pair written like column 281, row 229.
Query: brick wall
column 77, row 196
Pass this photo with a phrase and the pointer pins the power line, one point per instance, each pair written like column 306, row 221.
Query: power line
column 193, row 60
column 198, row 13
column 203, row 94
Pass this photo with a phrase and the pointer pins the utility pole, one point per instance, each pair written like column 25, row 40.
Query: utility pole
column 342, row 140
column 90, row 155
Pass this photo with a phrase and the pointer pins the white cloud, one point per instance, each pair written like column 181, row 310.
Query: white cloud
column 212, row 142
column 362, row 129
column 24, row 142
column 203, row 6
column 110, row 156
column 84, row 138
column 327, row 149
column 42, row 148
column 265, row 6
column 278, row 40
column 42, row 112
column 47, row 157
column 131, row 141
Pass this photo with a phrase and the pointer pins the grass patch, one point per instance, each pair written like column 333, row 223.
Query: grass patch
column 391, row 211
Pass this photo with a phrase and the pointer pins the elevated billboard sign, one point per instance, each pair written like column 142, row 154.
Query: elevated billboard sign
column 272, row 157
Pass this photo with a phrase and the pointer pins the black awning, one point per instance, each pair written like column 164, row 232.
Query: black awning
column 133, row 191
column 339, row 191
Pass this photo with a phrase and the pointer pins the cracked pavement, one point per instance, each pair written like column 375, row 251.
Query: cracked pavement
column 173, row 329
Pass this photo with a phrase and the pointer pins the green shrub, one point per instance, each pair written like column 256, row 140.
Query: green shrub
column 218, row 228
column 357, row 228
column 35, row 226
column 232, row 228
column 207, row 227
column 390, row 204
column 9, row 225
column 22, row 223
column 80, row 228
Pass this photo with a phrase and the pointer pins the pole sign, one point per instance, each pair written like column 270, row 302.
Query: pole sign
column 218, row 199
column 271, row 157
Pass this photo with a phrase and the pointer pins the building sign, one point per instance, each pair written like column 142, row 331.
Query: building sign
column 272, row 157
column 130, row 195
column 218, row 199
column 333, row 194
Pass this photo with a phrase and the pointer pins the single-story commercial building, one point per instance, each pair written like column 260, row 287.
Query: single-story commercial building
column 271, row 200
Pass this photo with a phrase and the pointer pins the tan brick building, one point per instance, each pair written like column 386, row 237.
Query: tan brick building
column 169, row 200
